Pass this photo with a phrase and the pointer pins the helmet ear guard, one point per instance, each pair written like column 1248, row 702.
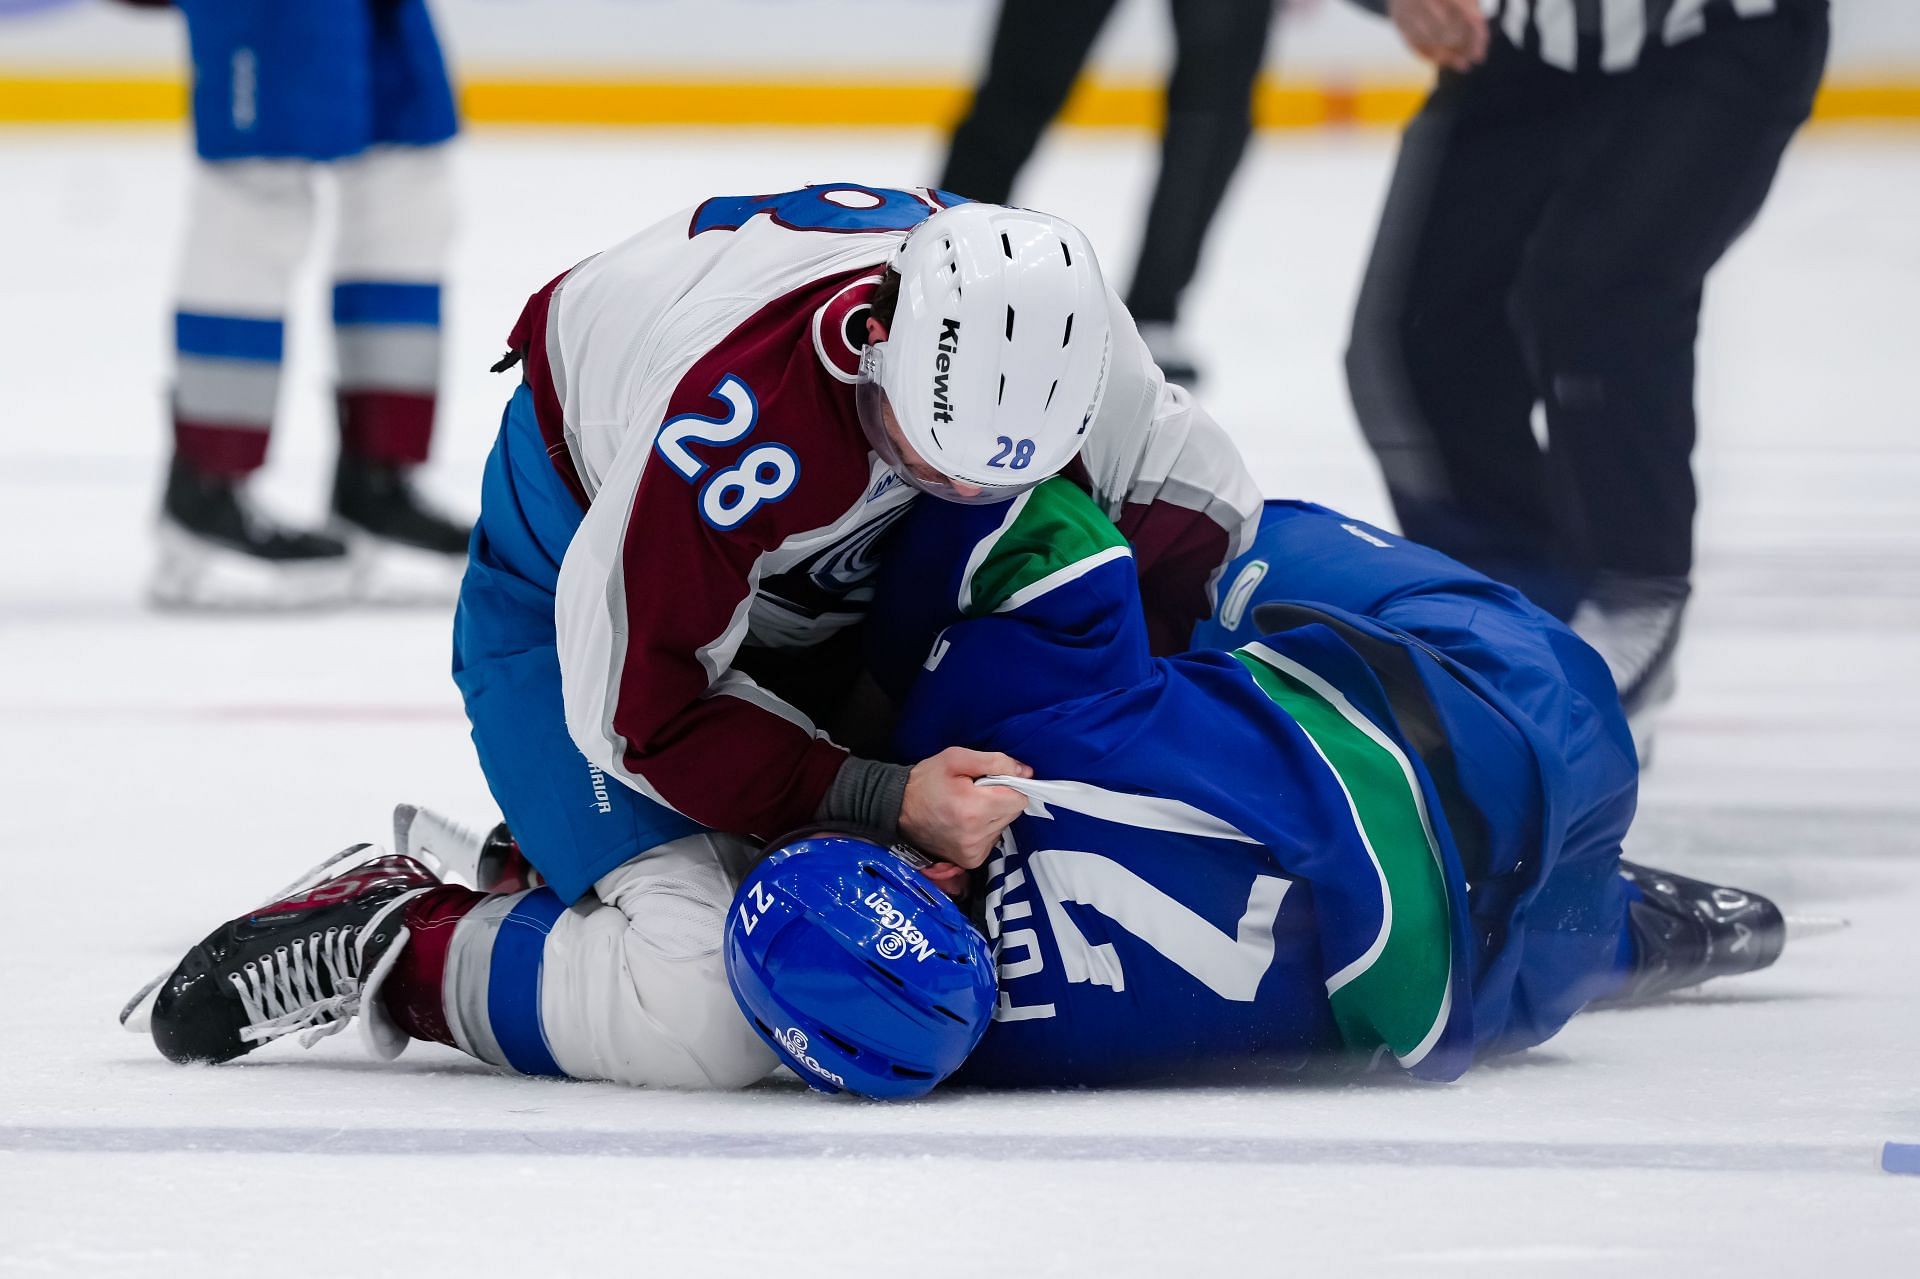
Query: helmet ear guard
column 854, row 969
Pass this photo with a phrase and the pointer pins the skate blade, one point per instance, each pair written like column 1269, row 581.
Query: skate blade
column 388, row 574
column 1801, row 927
column 194, row 575
column 448, row 848
column 136, row 1015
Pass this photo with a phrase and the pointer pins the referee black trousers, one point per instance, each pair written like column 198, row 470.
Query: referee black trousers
column 1544, row 243
column 1039, row 47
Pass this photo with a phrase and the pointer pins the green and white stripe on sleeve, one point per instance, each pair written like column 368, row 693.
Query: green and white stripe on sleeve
column 1053, row 534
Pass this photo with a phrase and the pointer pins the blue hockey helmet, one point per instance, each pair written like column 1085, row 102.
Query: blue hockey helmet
column 859, row 974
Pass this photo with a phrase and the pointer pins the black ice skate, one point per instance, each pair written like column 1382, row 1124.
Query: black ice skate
column 301, row 963
column 1689, row 931
column 404, row 551
column 1634, row 624
column 218, row 551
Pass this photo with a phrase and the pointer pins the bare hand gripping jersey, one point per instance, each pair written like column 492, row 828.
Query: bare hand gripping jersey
column 694, row 387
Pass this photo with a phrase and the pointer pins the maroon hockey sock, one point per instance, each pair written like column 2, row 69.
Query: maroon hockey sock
column 394, row 427
column 219, row 448
column 414, row 993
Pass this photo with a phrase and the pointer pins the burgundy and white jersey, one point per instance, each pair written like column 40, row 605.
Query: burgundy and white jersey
column 694, row 385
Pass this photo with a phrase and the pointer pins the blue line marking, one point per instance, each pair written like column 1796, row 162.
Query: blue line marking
column 1900, row 1156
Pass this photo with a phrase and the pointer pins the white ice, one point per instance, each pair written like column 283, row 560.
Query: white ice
column 160, row 772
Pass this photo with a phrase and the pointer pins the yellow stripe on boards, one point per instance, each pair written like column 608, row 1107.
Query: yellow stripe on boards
column 91, row 99
column 1895, row 100
column 709, row 102
column 41, row 98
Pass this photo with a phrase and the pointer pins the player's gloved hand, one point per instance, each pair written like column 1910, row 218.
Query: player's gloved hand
column 1449, row 33
column 945, row 814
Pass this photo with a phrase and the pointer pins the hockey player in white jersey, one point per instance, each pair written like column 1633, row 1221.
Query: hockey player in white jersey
column 720, row 420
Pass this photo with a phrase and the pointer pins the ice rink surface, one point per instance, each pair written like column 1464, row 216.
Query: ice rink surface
column 160, row 773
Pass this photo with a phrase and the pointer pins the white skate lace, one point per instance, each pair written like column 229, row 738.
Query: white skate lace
column 283, row 992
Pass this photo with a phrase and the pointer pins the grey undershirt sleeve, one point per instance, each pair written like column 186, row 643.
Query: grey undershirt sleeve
column 868, row 794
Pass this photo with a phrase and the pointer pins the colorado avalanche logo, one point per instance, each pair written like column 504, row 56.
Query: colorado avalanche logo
column 840, row 328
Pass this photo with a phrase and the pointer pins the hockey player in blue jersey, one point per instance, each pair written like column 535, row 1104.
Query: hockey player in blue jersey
column 1377, row 813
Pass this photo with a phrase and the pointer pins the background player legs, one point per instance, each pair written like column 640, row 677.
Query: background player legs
column 1038, row 49
column 277, row 86
column 1438, row 379
column 395, row 217
column 1219, row 45
column 1608, row 304
column 281, row 88
column 248, row 225
column 249, row 222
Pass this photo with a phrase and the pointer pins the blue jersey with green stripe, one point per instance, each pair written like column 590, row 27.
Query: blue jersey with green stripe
column 1380, row 817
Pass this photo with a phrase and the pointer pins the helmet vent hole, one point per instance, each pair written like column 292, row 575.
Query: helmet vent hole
column 1003, row 390
column 1006, row 244
column 888, row 973
column 1068, row 335
column 950, row 1014
column 908, row 1072
column 1009, row 324
column 1051, row 390
column 838, row 1042
column 1066, row 253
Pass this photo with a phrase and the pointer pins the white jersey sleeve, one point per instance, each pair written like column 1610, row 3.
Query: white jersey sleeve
column 1168, row 475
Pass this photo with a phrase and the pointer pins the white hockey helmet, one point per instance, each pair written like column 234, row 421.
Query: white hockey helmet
column 996, row 359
